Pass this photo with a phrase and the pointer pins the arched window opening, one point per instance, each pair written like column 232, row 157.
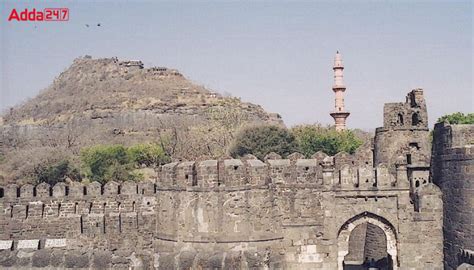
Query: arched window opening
column 400, row 119
column 415, row 119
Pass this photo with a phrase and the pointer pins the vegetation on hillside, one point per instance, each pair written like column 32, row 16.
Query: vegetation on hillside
column 261, row 140
column 457, row 118
column 306, row 139
column 314, row 138
column 103, row 163
column 57, row 172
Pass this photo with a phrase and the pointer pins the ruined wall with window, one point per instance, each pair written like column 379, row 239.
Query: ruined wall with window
column 405, row 135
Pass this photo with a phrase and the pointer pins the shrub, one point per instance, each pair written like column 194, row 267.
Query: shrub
column 104, row 163
column 457, row 118
column 314, row 138
column 147, row 154
column 56, row 173
column 261, row 140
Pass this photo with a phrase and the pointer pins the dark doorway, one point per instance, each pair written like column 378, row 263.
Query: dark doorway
column 367, row 249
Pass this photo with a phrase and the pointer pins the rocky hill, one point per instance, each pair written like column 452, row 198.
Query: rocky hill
column 105, row 101
column 98, row 88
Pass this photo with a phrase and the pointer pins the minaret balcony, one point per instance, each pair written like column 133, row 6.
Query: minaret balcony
column 336, row 88
column 341, row 114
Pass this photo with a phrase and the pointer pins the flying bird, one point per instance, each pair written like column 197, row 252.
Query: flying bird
column 98, row 24
column 87, row 25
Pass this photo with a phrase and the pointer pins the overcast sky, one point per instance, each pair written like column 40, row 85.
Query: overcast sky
column 278, row 55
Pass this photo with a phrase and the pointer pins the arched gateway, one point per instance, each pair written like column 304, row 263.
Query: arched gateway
column 372, row 219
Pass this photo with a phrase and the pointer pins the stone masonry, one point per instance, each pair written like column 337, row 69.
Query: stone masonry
column 326, row 212
column 453, row 171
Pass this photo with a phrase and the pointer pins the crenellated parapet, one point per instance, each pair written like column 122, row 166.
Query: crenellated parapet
column 338, row 172
column 326, row 172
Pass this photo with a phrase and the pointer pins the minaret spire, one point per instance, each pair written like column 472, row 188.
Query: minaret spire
column 339, row 114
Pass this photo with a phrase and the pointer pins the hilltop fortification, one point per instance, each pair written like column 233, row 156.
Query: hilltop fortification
column 119, row 102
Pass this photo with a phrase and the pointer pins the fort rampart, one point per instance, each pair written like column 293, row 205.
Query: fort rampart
column 326, row 212
column 453, row 170
column 289, row 213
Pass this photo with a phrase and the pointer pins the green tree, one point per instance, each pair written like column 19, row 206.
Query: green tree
column 314, row 138
column 56, row 173
column 149, row 154
column 261, row 140
column 457, row 118
column 104, row 163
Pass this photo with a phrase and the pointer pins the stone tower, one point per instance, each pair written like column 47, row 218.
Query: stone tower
column 405, row 136
column 339, row 114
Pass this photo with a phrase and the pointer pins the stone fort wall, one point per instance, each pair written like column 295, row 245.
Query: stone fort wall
column 245, row 213
column 282, row 213
column 453, row 170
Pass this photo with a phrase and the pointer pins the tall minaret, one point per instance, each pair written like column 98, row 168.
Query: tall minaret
column 339, row 114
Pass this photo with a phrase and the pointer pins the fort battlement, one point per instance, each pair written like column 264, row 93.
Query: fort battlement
column 333, row 173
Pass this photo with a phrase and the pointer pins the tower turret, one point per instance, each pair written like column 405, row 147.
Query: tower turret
column 339, row 114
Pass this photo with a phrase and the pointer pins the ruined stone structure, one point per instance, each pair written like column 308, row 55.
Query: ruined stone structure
column 327, row 212
column 404, row 137
column 453, row 170
column 339, row 114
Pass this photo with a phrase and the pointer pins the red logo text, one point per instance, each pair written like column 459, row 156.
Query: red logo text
column 47, row 14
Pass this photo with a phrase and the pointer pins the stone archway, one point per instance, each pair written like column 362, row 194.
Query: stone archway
column 366, row 217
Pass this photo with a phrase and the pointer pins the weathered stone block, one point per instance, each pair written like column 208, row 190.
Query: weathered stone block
column 41, row 258
column 76, row 261
column 6, row 244
column 28, row 244
column 55, row 243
